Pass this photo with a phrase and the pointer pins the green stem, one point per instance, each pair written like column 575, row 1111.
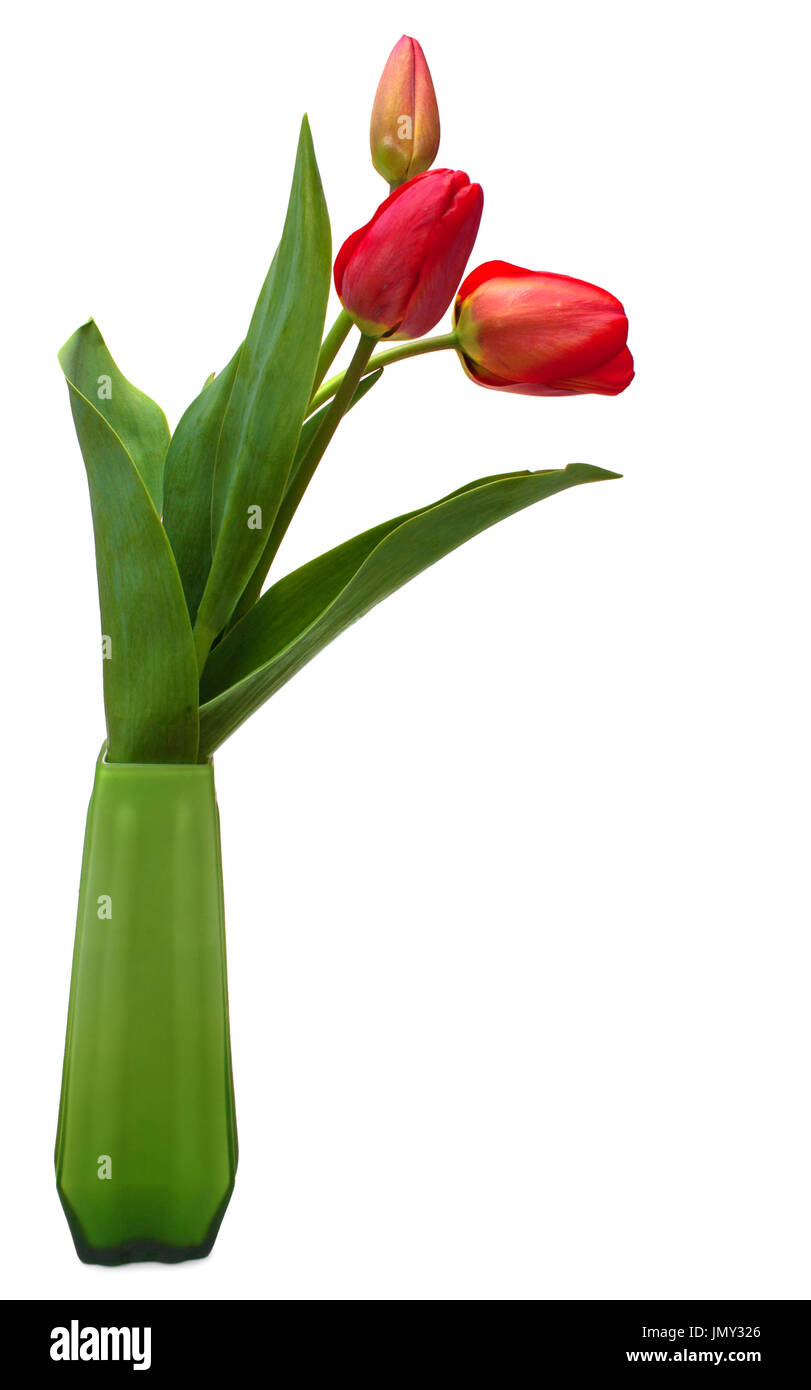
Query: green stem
column 331, row 346
column 342, row 400
column 384, row 359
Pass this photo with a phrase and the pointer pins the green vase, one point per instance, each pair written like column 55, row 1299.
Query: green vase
column 146, row 1146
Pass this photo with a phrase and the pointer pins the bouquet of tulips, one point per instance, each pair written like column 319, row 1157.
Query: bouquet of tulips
column 187, row 527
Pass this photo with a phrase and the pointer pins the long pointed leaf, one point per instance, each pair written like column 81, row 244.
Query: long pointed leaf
column 306, row 610
column 188, row 482
column 139, row 423
column 270, row 395
column 150, row 671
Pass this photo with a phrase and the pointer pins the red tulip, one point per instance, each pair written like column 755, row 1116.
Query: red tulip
column 396, row 276
column 404, row 133
column 540, row 334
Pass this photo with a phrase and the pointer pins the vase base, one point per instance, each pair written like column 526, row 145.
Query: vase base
column 144, row 1249
column 141, row 1251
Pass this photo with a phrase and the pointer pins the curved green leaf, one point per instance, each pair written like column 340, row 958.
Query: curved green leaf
column 269, row 399
column 139, row 423
column 188, row 482
column 301, row 614
column 150, row 672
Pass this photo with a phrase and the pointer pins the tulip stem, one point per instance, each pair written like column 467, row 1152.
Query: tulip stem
column 397, row 354
column 299, row 483
column 384, row 359
column 331, row 346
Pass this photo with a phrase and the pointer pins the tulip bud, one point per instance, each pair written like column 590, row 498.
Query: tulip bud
column 541, row 335
column 396, row 276
column 404, row 133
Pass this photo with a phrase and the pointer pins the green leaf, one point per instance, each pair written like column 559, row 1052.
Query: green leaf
column 188, row 482
column 150, row 671
column 271, row 391
column 139, row 423
column 303, row 612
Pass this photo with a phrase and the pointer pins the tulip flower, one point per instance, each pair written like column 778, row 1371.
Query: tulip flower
column 397, row 275
column 404, row 132
column 541, row 335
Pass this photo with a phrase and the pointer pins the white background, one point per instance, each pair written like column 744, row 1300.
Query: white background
column 516, row 871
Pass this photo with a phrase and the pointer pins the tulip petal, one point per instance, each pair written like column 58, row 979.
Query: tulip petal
column 488, row 270
column 394, row 99
column 426, row 116
column 355, row 238
column 344, row 256
column 607, row 380
column 444, row 263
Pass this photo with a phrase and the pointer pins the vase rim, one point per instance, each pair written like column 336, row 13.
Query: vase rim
column 204, row 767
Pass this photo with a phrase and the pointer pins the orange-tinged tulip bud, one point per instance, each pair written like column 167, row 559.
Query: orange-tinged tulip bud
column 404, row 133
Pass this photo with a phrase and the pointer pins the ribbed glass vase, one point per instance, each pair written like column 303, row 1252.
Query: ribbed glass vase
column 146, row 1148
